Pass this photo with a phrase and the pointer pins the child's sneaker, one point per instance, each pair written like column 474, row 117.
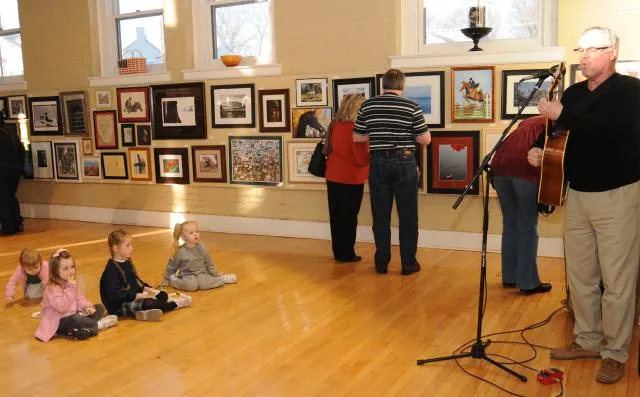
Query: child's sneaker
column 80, row 333
column 182, row 300
column 228, row 278
column 149, row 315
column 108, row 321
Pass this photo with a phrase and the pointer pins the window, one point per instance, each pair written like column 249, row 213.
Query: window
column 10, row 40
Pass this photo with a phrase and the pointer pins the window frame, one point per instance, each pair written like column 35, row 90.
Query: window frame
column 14, row 82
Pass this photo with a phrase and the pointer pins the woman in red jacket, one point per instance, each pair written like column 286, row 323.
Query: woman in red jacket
column 347, row 171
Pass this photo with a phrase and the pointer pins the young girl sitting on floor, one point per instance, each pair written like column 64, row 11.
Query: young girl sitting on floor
column 123, row 292
column 190, row 267
column 65, row 311
column 33, row 272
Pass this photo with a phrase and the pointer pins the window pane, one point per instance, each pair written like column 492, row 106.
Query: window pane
column 142, row 36
column 126, row 6
column 510, row 19
column 11, row 54
column 243, row 29
column 9, row 14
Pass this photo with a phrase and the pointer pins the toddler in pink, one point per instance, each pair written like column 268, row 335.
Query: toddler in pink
column 32, row 272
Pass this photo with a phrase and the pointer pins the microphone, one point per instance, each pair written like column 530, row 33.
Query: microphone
column 541, row 75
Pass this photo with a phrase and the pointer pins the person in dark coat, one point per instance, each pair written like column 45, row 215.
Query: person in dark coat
column 11, row 161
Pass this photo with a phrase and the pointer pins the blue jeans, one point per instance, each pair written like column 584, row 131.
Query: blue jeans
column 519, row 203
column 394, row 174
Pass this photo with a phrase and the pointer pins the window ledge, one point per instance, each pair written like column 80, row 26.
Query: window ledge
column 146, row 78
column 233, row 72
column 539, row 55
column 10, row 84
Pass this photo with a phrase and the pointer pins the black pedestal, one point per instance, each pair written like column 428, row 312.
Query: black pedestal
column 476, row 34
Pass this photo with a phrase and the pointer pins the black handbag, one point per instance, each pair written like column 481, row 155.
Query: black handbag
column 318, row 162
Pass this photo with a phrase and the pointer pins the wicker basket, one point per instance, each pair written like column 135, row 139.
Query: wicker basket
column 133, row 64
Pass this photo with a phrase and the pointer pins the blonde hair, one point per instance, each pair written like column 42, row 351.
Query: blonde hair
column 118, row 237
column 349, row 107
column 29, row 258
column 178, row 229
column 54, row 267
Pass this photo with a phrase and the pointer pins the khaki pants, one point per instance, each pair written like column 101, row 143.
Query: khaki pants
column 601, row 232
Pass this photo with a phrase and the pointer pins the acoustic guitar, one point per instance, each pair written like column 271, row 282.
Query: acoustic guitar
column 552, row 188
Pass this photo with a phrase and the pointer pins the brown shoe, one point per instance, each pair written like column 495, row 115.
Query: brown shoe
column 572, row 352
column 610, row 371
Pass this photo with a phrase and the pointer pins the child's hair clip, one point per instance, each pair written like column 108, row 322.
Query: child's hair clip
column 59, row 251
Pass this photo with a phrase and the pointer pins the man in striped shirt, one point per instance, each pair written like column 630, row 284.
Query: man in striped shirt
column 392, row 125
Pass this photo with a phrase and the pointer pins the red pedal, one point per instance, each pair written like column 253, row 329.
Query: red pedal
column 546, row 379
column 556, row 374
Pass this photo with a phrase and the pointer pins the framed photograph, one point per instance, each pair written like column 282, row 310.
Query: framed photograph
column 16, row 106
column 364, row 86
column 178, row 111
column 4, row 107
column 140, row 163
column 310, row 122
column 104, row 129
column 91, row 167
column 128, row 134
column 45, row 117
column 171, row 165
column 232, row 106
column 143, row 134
column 42, row 159
column 87, row 147
column 274, row 110
column 104, row 98
column 299, row 155
column 209, row 163
column 255, row 160
column 67, row 160
column 133, row 104
column 514, row 94
column 452, row 160
column 472, row 94
column 114, row 165
column 311, row 92
column 74, row 113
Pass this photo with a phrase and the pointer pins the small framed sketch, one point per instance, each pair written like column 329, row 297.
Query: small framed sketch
column 310, row 122
column 209, row 163
column 114, row 165
column 45, row 115
column 67, row 160
column 104, row 129
column 274, row 110
column 133, row 104
column 515, row 93
column 472, row 94
column 365, row 86
column 143, row 134
column 87, row 147
column 16, row 106
column 128, row 134
column 91, row 167
column 171, row 165
column 233, row 106
column 42, row 158
column 299, row 154
column 178, row 111
column 140, row 163
column 255, row 160
column 452, row 160
column 104, row 98
column 74, row 113
column 311, row 92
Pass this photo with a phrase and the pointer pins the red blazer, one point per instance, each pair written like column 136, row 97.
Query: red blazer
column 348, row 162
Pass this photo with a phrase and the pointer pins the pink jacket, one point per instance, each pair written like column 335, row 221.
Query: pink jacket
column 57, row 303
column 20, row 276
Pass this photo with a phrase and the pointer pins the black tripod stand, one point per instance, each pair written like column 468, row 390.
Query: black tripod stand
column 478, row 348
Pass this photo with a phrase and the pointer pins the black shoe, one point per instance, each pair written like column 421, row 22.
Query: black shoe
column 352, row 259
column 508, row 285
column 381, row 270
column 542, row 287
column 81, row 333
column 162, row 297
column 410, row 270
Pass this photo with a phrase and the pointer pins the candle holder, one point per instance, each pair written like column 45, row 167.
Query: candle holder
column 476, row 34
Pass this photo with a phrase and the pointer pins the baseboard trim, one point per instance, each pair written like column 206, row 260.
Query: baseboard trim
column 552, row 247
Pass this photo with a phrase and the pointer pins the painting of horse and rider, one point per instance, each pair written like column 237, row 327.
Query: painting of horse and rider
column 472, row 94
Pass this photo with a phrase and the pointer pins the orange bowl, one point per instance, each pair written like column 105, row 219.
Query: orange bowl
column 231, row 60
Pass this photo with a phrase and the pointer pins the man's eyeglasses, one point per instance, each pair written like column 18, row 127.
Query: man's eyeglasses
column 590, row 50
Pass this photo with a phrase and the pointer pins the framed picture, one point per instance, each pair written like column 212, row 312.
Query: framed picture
column 364, row 86
column 16, row 106
column 87, row 147
column 452, row 160
column 232, row 106
column 255, row 160
column 91, row 167
column 209, row 163
column 143, row 134
column 311, row 92
column 104, row 129
column 172, row 165
column 104, row 98
column 274, row 110
column 299, row 155
column 45, row 117
column 42, row 159
column 114, row 165
column 472, row 97
column 133, row 104
column 74, row 113
column 4, row 108
column 310, row 122
column 128, row 134
column 178, row 111
column 140, row 163
column 67, row 160
column 515, row 93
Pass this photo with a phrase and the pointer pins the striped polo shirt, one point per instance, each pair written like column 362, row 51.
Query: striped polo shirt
column 391, row 122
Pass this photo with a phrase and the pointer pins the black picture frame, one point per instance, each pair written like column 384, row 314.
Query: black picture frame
column 464, row 167
column 181, row 155
column 513, row 92
column 223, row 110
column 178, row 111
column 48, row 120
column 108, row 173
column 4, row 107
column 75, row 111
column 275, row 110
column 361, row 84
column 128, row 140
column 143, row 134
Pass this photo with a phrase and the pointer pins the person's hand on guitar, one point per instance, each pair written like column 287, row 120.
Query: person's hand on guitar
column 550, row 109
column 534, row 156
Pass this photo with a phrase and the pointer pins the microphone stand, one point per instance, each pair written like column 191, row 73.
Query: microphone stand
column 478, row 349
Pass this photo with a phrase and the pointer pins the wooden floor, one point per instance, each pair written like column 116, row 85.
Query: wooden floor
column 296, row 324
